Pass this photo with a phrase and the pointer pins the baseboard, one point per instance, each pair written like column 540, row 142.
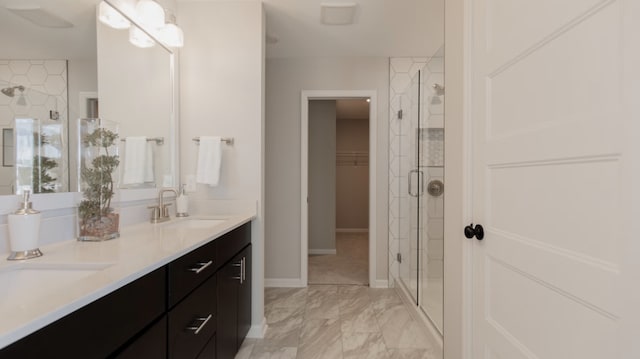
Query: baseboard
column 380, row 283
column 352, row 230
column 258, row 330
column 321, row 251
column 283, row 282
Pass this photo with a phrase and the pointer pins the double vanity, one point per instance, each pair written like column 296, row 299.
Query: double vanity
column 180, row 289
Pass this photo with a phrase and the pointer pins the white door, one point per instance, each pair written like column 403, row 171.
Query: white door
column 555, row 112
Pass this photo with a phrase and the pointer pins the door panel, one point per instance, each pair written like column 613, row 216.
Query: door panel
column 549, row 111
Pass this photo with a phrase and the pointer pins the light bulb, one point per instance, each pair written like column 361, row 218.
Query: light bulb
column 171, row 35
column 138, row 38
column 112, row 18
column 150, row 14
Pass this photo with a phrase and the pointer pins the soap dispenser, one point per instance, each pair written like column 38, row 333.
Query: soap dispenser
column 24, row 231
column 182, row 203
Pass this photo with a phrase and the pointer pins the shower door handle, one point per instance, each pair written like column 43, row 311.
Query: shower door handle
column 420, row 189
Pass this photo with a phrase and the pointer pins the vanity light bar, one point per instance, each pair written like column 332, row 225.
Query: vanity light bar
column 227, row 140
column 158, row 140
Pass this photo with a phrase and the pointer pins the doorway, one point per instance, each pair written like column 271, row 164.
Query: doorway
column 350, row 240
column 339, row 191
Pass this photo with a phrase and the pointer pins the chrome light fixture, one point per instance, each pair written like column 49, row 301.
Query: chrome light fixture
column 111, row 17
column 148, row 20
column 138, row 38
column 170, row 33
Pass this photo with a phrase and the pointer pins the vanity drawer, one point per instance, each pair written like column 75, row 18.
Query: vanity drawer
column 192, row 323
column 100, row 328
column 190, row 270
column 231, row 243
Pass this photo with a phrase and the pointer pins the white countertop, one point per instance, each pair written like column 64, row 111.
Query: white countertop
column 72, row 274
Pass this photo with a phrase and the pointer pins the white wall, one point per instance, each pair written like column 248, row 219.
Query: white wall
column 221, row 93
column 286, row 78
column 322, row 176
column 352, row 179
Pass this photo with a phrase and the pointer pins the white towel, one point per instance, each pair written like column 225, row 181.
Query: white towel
column 149, row 173
column 138, row 161
column 209, row 160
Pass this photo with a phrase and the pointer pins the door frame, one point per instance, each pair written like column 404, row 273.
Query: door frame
column 305, row 97
column 458, row 265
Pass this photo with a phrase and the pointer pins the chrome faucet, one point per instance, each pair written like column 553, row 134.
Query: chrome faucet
column 160, row 212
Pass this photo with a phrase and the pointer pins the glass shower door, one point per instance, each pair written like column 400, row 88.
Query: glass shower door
column 412, row 230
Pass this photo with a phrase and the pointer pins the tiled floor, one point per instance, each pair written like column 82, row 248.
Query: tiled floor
column 350, row 264
column 338, row 321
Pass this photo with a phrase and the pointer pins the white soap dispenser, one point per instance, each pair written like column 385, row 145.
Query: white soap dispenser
column 24, row 231
column 182, row 203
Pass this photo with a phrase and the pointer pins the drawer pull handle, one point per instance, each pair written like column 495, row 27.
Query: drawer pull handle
column 197, row 329
column 201, row 266
column 241, row 265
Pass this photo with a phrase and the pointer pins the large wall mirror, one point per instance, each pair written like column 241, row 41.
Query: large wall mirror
column 58, row 65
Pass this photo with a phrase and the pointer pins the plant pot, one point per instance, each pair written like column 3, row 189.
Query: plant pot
column 99, row 228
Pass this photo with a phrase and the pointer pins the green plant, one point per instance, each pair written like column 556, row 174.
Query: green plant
column 43, row 182
column 98, row 178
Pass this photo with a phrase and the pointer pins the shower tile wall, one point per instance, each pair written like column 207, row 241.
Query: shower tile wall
column 432, row 143
column 45, row 83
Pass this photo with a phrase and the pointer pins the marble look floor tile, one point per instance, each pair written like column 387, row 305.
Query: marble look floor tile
column 321, row 338
column 322, row 290
column 322, row 307
column 400, row 330
column 245, row 349
column 364, row 345
column 281, row 316
column 363, row 321
column 287, row 335
column 350, row 264
column 266, row 352
column 285, row 297
column 384, row 298
column 412, row 354
column 349, row 291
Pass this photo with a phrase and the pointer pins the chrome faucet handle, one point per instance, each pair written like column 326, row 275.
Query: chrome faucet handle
column 155, row 213
column 165, row 210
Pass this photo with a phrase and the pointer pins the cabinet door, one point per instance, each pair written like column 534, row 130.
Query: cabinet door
column 227, row 326
column 244, row 297
column 151, row 344
column 192, row 323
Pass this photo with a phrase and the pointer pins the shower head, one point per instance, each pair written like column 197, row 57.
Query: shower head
column 439, row 89
column 11, row 91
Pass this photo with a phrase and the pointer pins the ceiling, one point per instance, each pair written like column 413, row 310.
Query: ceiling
column 383, row 28
column 77, row 42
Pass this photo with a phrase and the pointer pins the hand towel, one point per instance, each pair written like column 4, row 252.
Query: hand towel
column 209, row 160
column 138, row 166
column 149, row 173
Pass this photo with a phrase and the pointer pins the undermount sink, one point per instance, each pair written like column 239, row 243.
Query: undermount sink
column 26, row 280
column 196, row 223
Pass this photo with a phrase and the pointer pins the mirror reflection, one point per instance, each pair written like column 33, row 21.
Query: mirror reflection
column 134, row 86
column 58, row 65
column 48, row 59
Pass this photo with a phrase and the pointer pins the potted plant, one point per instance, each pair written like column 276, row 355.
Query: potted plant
column 99, row 159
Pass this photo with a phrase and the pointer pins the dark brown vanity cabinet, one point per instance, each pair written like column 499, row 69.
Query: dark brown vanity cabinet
column 192, row 308
column 100, row 329
column 233, row 288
